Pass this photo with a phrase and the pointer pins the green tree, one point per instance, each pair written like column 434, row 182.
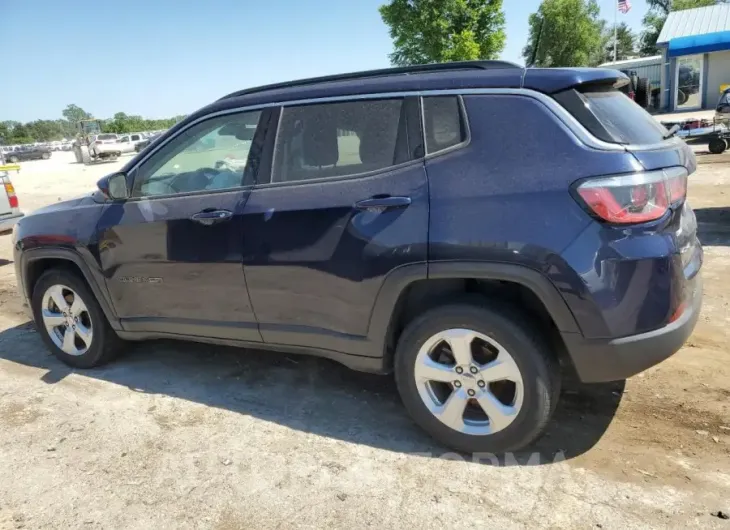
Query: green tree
column 626, row 43
column 74, row 113
column 426, row 31
column 565, row 33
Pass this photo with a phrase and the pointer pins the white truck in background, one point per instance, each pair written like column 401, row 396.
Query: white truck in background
column 128, row 141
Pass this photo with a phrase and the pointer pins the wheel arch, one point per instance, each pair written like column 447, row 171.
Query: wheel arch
column 36, row 261
column 409, row 290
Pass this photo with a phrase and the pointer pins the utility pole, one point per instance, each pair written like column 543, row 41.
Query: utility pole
column 615, row 29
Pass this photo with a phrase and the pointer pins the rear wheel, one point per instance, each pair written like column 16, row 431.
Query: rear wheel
column 477, row 378
column 70, row 321
column 717, row 146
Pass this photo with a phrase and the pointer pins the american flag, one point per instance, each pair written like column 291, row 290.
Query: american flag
column 624, row 6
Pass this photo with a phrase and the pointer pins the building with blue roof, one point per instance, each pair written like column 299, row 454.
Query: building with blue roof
column 695, row 45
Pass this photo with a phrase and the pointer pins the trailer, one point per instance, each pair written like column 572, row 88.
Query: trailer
column 715, row 131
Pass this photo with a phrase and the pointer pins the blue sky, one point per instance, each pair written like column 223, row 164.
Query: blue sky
column 159, row 58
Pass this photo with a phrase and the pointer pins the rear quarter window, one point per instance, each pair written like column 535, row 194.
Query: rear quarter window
column 612, row 117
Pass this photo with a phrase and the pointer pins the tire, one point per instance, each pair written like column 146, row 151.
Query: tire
column 13, row 159
column 681, row 97
column 643, row 93
column 46, row 156
column 717, row 146
column 101, row 343
column 528, row 352
column 84, row 153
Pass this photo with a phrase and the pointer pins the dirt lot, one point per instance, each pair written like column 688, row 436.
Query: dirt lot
column 191, row 436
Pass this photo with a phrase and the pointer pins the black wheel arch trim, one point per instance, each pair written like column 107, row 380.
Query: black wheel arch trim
column 532, row 279
column 93, row 277
column 400, row 278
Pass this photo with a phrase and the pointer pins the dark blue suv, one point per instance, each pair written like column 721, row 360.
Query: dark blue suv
column 473, row 227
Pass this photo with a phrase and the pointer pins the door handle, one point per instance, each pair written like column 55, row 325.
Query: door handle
column 383, row 203
column 211, row 217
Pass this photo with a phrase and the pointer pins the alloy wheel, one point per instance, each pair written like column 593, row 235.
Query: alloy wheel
column 67, row 320
column 469, row 382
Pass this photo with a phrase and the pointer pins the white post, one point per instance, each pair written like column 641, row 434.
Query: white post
column 615, row 30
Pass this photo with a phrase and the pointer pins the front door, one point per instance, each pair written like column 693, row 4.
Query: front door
column 346, row 205
column 172, row 253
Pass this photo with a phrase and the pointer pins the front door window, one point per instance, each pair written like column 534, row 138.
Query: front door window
column 688, row 85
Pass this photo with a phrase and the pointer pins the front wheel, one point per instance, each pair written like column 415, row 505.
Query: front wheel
column 477, row 378
column 71, row 322
column 13, row 159
column 46, row 156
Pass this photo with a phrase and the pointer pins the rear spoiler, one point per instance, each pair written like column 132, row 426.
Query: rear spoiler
column 553, row 80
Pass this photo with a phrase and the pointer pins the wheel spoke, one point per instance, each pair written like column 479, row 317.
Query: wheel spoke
column 452, row 411
column 56, row 294
column 503, row 367
column 69, row 341
column 52, row 319
column 460, row 342
column 499, row 415
column 430, row 370
column 84, row 334
column 78, row 306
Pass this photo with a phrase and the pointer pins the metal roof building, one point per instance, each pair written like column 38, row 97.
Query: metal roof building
column 695, row 46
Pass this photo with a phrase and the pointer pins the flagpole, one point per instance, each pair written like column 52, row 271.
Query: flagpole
column 615, row 30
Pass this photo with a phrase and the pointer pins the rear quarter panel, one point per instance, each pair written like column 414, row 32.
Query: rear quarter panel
column 505, row 196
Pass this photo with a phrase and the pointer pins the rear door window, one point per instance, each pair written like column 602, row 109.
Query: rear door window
column 612, row 117
column 334, row 140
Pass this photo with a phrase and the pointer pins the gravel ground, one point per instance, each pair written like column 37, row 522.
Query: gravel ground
column 176, row 435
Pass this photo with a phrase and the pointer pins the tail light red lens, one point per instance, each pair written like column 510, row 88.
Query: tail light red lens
column 12, row 197
column 635, row 198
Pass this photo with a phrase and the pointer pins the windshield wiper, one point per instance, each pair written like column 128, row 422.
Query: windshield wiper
column 674, row 130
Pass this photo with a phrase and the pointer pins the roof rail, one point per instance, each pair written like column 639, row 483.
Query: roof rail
column 383, row 72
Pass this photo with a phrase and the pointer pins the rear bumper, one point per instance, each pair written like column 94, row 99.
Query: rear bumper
column 601, row 360
column 7, row 222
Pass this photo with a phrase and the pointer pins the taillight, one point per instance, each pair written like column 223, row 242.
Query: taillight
column 12, row 198
column 635, row 198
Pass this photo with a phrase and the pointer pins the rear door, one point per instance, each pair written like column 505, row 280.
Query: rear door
column 172, row 253
column 347, row 203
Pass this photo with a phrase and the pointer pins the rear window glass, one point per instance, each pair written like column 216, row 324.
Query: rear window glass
column 107, row 137
column 612, row 117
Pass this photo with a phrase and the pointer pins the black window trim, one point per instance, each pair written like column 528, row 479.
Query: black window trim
column 268, row 159
column 265, row 121
column 464, row 121
column 568, row 121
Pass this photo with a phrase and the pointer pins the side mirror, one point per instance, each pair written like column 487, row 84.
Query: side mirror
column 114, row 186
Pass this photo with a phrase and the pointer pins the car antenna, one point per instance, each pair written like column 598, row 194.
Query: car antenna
column 537, row 44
